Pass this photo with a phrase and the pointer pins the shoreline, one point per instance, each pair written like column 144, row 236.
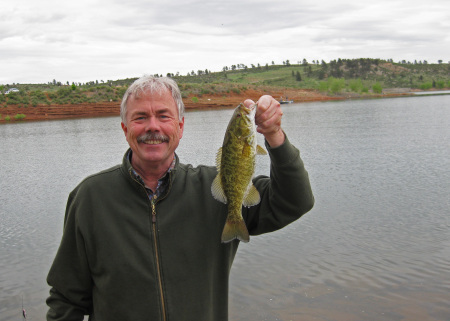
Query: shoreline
column 229, row 100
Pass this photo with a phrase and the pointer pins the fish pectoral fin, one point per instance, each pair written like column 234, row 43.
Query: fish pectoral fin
column 251, row 197
column 260, row 150
column 217, row 189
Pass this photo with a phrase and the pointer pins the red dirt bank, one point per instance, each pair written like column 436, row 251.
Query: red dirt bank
column 45, row 112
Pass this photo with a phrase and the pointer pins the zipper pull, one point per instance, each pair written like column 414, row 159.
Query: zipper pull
column 154, row 208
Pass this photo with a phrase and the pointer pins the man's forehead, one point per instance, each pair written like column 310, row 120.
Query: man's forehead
column 159, row 102
column 162, row 92
column 153, row 96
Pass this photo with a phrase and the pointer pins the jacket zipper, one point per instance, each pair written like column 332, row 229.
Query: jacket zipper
column 158, row 265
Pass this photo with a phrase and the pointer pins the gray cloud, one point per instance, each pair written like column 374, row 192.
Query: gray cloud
column 85, row 40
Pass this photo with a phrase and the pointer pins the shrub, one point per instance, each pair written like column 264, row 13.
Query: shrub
column 38, row 97
column 14, row 99
column 356, row 85
column 323, row 86
column 7, row 118
column 120, row 92
column 19, row 117
column 377, row 88
column 337, row 85
column 64, row 91
column 426, row 85
column 194, row 99
column 440, row 84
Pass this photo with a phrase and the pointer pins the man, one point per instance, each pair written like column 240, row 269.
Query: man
column 142, row 239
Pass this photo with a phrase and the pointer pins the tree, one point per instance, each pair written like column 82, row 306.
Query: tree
column 298, row 77
column 321, row 74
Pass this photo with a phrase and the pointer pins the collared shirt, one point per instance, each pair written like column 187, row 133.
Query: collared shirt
column 163, row 182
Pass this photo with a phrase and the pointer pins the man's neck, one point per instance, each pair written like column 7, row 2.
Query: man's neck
column 151, row 173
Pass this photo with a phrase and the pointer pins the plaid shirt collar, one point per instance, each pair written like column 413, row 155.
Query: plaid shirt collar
column 163, row 182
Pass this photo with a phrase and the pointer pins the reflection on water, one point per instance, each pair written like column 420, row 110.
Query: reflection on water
column 376, row 246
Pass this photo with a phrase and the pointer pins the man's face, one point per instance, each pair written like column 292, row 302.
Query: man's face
column 153, row 130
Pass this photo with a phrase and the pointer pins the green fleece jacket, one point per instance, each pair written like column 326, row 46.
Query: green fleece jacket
column 125, row 257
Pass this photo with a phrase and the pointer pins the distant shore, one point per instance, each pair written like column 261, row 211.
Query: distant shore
column 102, row 109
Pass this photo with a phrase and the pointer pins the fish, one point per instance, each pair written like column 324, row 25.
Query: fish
column 235, row 162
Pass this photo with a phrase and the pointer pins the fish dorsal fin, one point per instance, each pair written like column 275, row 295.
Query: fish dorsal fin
column 260, row 150
column 217, row 189
column 219, row 158
column 251, row 197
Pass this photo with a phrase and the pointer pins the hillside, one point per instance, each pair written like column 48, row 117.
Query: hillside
column 338, row 79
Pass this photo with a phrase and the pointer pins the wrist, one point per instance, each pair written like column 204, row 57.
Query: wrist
column 275, row 139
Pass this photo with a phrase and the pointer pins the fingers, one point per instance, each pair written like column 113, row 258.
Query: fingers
column 268, row 115
column 268, row 120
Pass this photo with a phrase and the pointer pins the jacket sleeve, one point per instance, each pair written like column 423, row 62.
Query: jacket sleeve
column 71, row 286
column 285, row 196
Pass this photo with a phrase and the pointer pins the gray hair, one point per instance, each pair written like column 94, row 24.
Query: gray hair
column 152, row 85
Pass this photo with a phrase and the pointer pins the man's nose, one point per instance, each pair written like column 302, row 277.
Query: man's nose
column 152, row 124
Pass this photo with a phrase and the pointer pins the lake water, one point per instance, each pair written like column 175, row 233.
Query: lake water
column 376, row 246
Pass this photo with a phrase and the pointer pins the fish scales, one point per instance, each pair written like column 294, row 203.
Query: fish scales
column 236, row 165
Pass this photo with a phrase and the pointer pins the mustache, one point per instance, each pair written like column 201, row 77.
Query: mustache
column 152, row 136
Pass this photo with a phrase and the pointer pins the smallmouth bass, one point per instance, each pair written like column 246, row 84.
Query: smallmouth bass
column 235, row 165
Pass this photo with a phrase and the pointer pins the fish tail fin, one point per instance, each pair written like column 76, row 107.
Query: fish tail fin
column 235, row 230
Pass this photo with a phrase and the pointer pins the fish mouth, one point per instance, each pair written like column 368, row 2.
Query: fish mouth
column 248, row 109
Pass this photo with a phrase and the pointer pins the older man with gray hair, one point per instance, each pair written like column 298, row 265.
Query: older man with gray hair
column 141, row 240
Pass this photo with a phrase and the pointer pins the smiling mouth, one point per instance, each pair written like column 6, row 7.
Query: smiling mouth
column 152, row 139
column 153, row 142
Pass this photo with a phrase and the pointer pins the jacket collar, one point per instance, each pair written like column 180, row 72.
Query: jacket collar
column 127, row 170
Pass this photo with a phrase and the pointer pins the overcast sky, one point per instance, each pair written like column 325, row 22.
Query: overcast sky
column 85, row 40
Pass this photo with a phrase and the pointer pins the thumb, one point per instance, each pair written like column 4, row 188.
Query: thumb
column 248, row 103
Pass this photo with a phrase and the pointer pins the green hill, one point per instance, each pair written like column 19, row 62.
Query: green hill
column 338, row 76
